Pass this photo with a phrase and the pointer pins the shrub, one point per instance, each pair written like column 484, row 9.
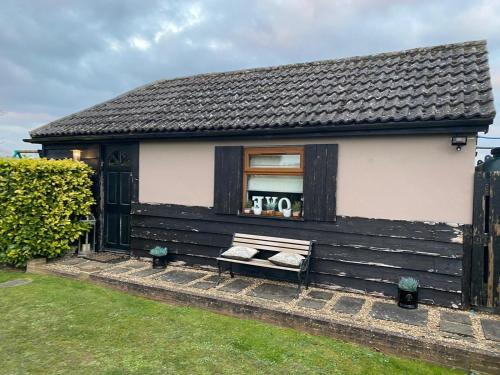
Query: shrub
column 158, row 251
column 41, row 202
column 409, row 284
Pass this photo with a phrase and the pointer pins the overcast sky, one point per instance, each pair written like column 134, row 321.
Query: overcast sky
column 61, row 56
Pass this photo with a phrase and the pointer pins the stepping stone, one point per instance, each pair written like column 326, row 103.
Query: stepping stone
column 147, row 272
column 491, row 329
column 455, row 325
column 92, row 266
column 73, row 261
column 456, row 328
column 118, row 270
column 320, row 294
column 311, row 303
column 138, row 265
column 280, row 293
column 394, row 313
column 455, row 317
column 349, row 305
column 181, row 277
column 204, row 285
column 236, row 286
column 215, row 278
column 15, row 282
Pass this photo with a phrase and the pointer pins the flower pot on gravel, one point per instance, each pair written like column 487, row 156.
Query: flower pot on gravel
column 159, row 255
column 408, row 293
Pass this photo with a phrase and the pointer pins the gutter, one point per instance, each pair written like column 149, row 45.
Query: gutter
column 471, row 126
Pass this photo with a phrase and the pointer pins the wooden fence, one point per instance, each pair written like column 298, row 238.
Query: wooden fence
column 485, row 249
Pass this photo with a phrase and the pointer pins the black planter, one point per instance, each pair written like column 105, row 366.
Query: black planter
column 160, row 262
column 407, row 300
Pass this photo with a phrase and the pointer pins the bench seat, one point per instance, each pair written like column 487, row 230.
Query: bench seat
column 259, row 263
column 271, row 244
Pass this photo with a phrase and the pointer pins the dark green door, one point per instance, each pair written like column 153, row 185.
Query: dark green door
column 117, row 197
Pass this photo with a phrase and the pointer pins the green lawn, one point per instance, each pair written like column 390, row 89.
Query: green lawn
column 61, row 326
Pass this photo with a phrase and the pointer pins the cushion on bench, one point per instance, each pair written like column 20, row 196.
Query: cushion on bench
column 240, row 253
column 287, row 259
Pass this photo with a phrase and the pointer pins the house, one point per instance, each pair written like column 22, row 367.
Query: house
column 374, row 153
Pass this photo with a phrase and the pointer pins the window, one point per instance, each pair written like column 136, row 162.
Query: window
column 273, row 180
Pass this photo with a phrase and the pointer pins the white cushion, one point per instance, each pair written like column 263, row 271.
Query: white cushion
column 240, row 253
column 287, row 259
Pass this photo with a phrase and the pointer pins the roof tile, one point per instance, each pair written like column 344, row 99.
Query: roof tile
column 447, row 82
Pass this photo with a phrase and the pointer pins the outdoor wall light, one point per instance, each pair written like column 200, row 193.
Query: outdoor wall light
column 77, row 154
column 458, row 141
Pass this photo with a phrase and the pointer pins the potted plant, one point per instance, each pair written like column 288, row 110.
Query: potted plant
column 287, row 212
column 248, row 207
column 159, row 255
column 296, row 208
column 270, row 208
column 257, row 209
column 408, row 293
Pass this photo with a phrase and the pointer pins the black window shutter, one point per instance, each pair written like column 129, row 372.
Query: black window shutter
column 228, row 179
column 320, row 182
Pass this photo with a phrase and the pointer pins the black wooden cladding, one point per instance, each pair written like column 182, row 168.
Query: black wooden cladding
column 484, row 262
column 228, row 179
column 353, row 253
column 320, row 182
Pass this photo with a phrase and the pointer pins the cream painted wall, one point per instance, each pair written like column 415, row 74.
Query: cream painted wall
column 419, row 178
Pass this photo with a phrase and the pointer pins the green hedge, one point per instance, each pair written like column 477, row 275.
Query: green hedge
column 41, row 202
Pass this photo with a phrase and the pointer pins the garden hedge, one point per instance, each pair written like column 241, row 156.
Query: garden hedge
column 41, row 202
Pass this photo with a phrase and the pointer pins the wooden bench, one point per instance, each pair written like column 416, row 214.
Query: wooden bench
column 277, row 245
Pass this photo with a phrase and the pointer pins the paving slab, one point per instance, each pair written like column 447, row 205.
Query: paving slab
column 215, row 278
column 73, row 261
column 108, row 257
column 349, row 305
column 455, row 317
column 92, row 266
column 312, row 303
column 320, row 294
column 15, row 282
column 147, row 272
column 204, row 285
column 394, row 313
column 138, row 265
column 491, row 329
column 118, row 270
column 280, row 293
column 181, row 277
column 236, row 286
column 456, row 328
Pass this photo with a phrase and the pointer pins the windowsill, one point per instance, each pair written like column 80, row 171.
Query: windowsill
column 271, row 217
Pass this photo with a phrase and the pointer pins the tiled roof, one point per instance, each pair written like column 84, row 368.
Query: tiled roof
column 446, row 82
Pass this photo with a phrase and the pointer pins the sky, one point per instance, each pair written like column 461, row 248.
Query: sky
column 60, row 56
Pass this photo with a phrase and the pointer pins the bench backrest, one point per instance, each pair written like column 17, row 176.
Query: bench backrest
column 277, row 244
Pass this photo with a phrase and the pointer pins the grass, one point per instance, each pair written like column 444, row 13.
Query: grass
column 61, row 326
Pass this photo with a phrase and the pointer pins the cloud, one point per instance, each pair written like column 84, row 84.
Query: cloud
column 139, row 43
column 60, row 57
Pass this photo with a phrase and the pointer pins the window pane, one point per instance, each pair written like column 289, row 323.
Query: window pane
column 283, row 190
column 275, row 161
column 277, row 184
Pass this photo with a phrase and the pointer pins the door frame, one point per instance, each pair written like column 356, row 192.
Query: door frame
column 134, row 193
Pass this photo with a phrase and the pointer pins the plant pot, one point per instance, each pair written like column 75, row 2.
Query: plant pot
column 247, row 211
column 296, row 213
column 287, row 212
column 407, row 299
column 257, row 211
column 160, row 262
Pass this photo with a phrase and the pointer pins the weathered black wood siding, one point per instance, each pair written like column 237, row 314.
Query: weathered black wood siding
column 228, row 179
column 367, row 255
column 320, row 182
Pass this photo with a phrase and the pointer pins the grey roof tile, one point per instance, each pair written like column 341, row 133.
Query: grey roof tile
column 447, row 82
